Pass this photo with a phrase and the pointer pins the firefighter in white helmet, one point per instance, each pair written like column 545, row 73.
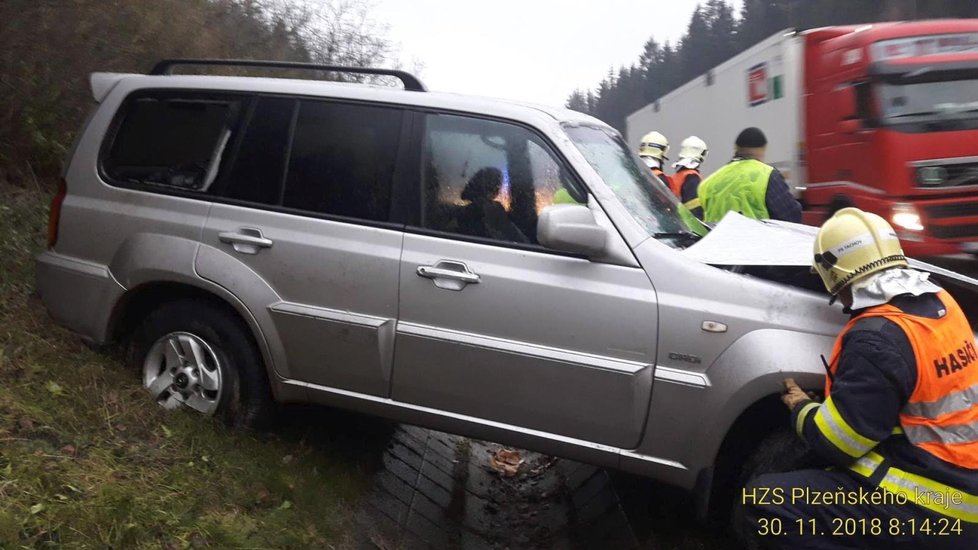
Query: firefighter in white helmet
column 898, row 423
column 686, row 180
column 653, row 150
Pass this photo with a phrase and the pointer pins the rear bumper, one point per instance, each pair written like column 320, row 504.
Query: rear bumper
column 79, row 295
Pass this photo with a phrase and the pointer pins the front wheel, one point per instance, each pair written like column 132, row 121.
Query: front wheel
column 780, row 451
column 202, row 357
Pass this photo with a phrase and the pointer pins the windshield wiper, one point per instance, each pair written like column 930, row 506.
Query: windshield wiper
column 686, row 235
column 922, row 113
column 948, row 114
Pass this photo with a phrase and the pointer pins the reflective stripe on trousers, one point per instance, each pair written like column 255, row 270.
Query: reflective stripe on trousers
column 934, row 496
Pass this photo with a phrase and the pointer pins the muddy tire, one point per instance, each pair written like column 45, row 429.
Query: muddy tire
column 780, row 451
column 201, row 356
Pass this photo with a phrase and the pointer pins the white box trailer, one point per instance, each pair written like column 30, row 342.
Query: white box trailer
column 761, row 87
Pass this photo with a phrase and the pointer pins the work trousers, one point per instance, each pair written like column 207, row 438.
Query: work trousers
column 820, row 509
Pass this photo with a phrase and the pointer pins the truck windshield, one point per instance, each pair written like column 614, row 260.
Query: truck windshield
column 652, row 205
column 939, row 101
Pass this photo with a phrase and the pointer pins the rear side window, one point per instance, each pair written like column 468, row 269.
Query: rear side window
column 342, row 160
column 178, row 142
column 258, row 172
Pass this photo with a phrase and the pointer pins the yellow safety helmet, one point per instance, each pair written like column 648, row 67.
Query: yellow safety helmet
column 654, row 145
column 693, row 148
column 853, row 244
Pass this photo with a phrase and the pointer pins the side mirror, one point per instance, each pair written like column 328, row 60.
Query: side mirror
column 850, row 126
column 571, row 228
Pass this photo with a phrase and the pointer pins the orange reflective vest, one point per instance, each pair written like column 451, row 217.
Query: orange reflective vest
column 941, row 416
column 679, row 178
column 663, row 176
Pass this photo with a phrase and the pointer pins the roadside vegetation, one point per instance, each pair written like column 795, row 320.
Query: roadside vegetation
column 49, row 47
column 86, row 460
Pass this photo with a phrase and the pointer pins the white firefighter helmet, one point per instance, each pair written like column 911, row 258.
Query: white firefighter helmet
column 853, row 244
column 654, row 145
column 692, row 151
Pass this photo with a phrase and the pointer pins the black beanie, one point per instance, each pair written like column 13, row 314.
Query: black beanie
column 751, row 137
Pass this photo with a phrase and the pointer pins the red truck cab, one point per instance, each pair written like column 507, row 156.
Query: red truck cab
column 891, row 126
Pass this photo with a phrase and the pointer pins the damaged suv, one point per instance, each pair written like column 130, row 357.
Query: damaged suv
column 500, row 270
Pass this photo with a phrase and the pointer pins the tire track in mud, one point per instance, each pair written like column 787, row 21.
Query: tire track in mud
column 437, row 490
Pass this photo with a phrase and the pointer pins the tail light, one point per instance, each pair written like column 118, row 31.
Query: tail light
column 55, row 216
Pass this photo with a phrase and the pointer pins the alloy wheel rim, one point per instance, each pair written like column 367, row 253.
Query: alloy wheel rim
column 181, row 369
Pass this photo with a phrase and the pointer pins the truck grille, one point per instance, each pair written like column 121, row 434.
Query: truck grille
column 953, row 210
column 958, row 175
column 954, row 231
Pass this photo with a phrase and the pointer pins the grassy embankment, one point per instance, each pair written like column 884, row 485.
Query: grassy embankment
column 87, row 461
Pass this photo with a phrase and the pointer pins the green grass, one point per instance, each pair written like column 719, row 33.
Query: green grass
column 86, row 460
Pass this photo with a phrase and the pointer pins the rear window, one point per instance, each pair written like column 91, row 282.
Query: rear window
column 172, row 141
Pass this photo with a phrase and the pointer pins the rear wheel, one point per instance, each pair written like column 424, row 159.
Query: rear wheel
column 202, row 357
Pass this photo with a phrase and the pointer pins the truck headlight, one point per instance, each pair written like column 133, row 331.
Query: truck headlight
column 905, row 216
column 932, row 175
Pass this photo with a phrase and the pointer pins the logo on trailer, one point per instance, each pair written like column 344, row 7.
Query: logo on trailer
column 757, row 84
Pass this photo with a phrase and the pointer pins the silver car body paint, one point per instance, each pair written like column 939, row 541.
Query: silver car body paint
column 586, row 359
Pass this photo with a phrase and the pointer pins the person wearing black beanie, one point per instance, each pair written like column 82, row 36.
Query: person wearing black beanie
column 747, row 185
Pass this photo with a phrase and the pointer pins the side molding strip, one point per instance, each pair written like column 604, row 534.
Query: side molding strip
column 489, row 423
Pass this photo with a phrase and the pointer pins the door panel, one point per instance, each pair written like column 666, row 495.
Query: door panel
column 547, row 342
column 334, row 283
column 336, row 287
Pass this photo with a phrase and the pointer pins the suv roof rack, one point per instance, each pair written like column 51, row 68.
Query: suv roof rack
column 411, row 82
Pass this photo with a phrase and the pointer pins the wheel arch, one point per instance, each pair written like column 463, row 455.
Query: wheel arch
column 138, row 302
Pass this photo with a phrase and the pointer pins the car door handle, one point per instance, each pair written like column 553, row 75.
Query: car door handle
column 247, row 240
column 449, row 275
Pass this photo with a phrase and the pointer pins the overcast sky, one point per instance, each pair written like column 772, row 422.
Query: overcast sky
column 531, row 50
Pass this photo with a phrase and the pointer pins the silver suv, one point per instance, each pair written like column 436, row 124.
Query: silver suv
column 494, row 269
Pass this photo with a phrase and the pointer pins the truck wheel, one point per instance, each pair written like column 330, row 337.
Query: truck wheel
column 200, row 356
column 837, row 203
column 780, row 451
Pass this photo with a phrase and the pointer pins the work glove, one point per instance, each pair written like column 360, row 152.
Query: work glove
column 794, row 395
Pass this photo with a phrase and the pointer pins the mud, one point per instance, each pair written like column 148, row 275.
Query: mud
column 437, row 490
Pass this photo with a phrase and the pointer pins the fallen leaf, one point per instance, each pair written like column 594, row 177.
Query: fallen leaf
column 7, row 470
column 506, row 462
column 167, row 432
column 543, row 467
column 54, row 388
column 37, row 509
column 120, row 427
column 286, row 504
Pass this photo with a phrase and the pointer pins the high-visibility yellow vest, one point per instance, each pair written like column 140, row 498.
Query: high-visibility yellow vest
column 740, row 186
column 562, row 196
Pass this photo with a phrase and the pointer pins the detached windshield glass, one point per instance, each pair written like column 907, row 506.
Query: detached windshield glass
column 648, row 201
column 928, row 101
